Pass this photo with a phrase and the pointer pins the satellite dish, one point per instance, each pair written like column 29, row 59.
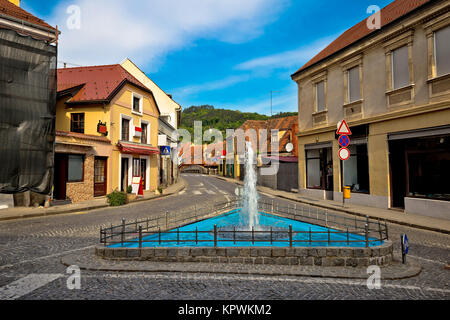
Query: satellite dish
column 289, row 147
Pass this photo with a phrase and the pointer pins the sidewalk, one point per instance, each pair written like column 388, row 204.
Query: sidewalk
column 30, row 212
column 393, row 216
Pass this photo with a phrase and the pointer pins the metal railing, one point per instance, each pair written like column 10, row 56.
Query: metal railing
column 157, row 229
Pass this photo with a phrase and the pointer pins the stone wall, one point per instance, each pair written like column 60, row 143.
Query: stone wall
column 320, row 256
column 80, row 191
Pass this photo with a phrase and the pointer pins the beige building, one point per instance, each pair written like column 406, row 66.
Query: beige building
column 392, row 85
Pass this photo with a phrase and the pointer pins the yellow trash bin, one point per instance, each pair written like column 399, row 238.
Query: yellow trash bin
column 347, row 193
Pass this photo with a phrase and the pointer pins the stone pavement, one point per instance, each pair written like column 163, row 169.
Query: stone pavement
column 31, row 212
column 87, row 260
column 393, row 216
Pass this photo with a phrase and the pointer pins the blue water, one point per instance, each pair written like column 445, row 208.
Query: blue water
column 205, row 235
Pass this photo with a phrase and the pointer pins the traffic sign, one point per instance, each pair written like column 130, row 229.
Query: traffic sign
column 344, row 129
column 344, row 154
column 344, row 141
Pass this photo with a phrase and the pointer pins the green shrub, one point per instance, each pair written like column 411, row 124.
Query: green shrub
column 129, row 189
column 160, row 189
column 117, row 198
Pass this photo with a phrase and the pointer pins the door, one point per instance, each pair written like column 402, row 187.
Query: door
column 60, row 177
column 143, row 172
column 99, row 177
column 124, row 175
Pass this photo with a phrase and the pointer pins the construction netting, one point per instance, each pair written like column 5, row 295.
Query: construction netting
column 27, row 113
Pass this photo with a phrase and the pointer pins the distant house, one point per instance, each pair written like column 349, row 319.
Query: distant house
column 392, row 86
column 28, row 58
column 285, row 155
column 107, row 133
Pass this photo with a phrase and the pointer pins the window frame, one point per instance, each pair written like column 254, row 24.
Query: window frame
column 135, row 95
column 130, row 123
column 82, row 167
column 79, row 122
column 146, row 123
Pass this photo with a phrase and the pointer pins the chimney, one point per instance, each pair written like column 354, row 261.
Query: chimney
column 16, row 2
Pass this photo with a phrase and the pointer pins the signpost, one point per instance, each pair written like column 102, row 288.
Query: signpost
column 344, row 154
column 405, row 247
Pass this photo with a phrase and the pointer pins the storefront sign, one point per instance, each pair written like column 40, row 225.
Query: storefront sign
column 101, row 128
column 137, row 132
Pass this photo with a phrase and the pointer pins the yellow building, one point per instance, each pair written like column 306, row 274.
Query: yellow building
column 392, row 86
column 107, row 132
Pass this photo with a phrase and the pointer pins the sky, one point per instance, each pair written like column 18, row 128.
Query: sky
column 227, row 53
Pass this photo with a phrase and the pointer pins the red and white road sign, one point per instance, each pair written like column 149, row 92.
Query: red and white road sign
column 344, row 129
column 344, row 154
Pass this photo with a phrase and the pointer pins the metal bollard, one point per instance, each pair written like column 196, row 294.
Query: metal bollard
column 140, row 236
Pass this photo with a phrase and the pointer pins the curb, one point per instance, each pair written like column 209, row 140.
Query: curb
column 90, row 208
column 94, row 263
column 348, row 211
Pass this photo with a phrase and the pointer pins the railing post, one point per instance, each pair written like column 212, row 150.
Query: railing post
column 379, row 230
column 178, row 235
column 123, row 232
column 101, row 235
column 328, row 237
column 159, row 233
column 271, row 235
column 140, row 236
column 348, row 240
column 215, row 236
column 253, row 235
column 326, row 217
column 234, row 235
column 367, row 222
column 290, row 236
column 310, row 237
column 272, row 206
column 167, row 220
column 196, row 235
column 386, row 228
column 366, row 227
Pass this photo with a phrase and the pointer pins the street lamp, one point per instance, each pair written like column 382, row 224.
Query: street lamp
column 271, row 100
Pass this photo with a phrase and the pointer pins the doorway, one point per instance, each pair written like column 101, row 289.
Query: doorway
column 100, row 168
column 143, row 173
column 60, row 177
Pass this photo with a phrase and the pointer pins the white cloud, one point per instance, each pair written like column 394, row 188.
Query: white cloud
column 286, row 59
column 211, row 85
column 144, row 30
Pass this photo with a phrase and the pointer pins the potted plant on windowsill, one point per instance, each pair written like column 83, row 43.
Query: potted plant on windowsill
column 130, row 195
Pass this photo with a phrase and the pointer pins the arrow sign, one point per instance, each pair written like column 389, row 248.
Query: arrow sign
column 344, row 129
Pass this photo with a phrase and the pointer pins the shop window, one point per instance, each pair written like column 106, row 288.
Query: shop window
column 442, row 47
column 319, row 169
column 356, row 169
column 400, row 67
column 75, row 168
column 77, row 122
column 136, row 167
column 428, row 164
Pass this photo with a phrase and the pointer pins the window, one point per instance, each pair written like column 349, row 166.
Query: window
column 442, row 47
column 77, row 122
column 137, row 103
column 354, row 93
column 125, row 129
column 75, row 168
column 144, row 127
column 356, row 169
column 319, row 169
column 400, row 68
column 320, row 96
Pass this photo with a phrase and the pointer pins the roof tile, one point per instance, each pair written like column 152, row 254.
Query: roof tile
column 12, row 10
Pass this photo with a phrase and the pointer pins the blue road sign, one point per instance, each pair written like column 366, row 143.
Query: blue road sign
column 405, row 244
column 165, row 151
column 344, row 141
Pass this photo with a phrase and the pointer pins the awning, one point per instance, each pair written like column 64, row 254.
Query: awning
column 129, row 148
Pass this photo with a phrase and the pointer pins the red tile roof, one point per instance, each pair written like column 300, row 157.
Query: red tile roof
column 389, row 14
column 98, row 83
column 10, row 9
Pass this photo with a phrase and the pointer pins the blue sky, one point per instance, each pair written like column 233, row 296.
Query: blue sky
column 227, row 53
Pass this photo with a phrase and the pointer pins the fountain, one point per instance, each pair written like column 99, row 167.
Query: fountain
column 249, row 213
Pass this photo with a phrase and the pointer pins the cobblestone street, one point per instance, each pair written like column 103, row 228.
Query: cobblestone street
column 33, row 248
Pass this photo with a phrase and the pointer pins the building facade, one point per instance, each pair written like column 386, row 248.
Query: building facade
column 170, row 118
column 107, row 133
column 392, row 86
